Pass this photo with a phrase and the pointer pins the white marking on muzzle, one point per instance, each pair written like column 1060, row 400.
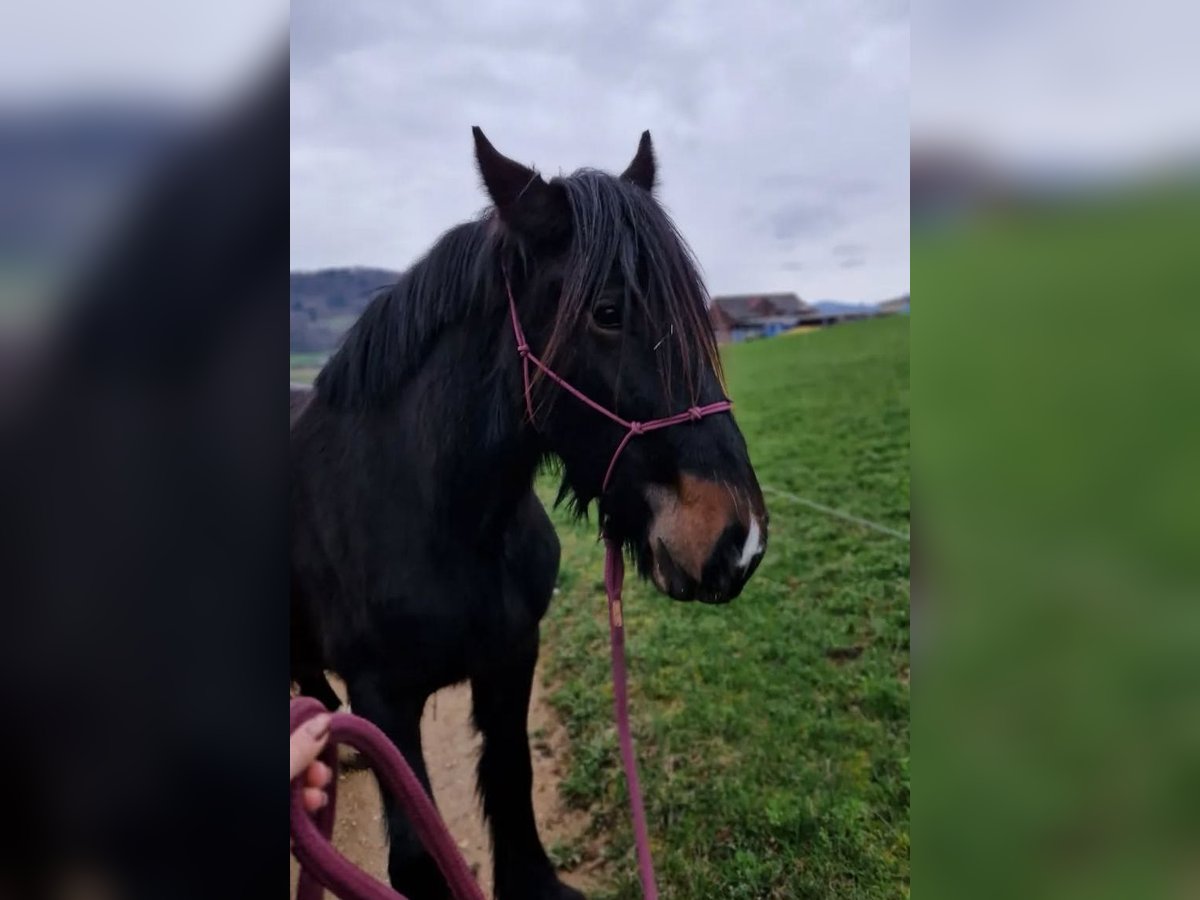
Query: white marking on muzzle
column 753, row 545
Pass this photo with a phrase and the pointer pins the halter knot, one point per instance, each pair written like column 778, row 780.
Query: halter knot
column 522, row 349
column 694, row 414
column 637, row 428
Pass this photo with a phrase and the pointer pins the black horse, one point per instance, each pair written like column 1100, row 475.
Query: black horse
column 420, row 554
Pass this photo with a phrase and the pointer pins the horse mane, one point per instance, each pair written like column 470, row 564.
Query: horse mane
column 616, row 227
column 385, row 347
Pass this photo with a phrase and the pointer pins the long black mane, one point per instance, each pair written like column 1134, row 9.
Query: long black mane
column 391, row 338
column 617, row 228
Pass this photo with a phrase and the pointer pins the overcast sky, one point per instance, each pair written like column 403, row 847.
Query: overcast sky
column 136, row 50
column 782, row 127
column 1103, row 87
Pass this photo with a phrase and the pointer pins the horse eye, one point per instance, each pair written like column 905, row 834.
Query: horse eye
column 607, row 315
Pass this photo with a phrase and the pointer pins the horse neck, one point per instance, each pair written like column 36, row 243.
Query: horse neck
column 471, row 447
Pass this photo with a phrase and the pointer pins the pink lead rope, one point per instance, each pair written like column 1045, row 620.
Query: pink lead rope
column 614, row 579
column 321, row 865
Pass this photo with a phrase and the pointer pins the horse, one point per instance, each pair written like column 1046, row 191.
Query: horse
column 420, row 554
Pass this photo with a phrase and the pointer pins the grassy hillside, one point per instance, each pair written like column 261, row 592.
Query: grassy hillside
column 772, row 733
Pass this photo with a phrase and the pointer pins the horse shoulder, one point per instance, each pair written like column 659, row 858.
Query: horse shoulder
column 532, row 551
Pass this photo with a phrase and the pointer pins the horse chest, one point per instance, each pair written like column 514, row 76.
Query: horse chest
column 442, row 627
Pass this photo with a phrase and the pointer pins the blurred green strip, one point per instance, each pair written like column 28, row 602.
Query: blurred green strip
column 1056, row 367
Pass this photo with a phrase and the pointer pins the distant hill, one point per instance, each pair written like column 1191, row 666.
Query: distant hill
column 325, row 302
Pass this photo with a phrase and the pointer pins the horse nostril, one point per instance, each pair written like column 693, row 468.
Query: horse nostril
column 677, row 583
column 723, row 576
column 733, row 543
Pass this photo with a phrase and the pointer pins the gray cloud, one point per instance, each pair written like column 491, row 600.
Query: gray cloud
column 800, row 219
column 776, row 127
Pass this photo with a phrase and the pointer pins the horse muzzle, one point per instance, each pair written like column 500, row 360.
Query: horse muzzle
column 706, row 539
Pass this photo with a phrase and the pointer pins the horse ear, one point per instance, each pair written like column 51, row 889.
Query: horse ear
column 643, row 168
column 524, row 201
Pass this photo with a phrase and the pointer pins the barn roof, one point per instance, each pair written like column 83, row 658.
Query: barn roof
column 747, row 309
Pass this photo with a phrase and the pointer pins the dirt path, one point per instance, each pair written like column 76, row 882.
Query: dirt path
column 451, row 751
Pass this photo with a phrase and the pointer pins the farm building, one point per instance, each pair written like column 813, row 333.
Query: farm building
column 740, row 317
column 824, row 316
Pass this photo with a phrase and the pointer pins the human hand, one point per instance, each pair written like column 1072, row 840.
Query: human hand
column 307, row 743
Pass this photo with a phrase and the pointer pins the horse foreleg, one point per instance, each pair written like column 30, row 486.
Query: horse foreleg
column 501, row 707
column 411, row 870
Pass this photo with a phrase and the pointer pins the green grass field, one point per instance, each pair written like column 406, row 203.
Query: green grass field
column 773, row 733
column 305, row 366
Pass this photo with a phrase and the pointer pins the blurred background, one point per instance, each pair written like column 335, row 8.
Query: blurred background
column 143, row 228
column 1056, row 216
column 89, row 111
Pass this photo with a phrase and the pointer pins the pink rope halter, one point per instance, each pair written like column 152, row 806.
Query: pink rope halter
column 632, row 429
column 614, row 578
